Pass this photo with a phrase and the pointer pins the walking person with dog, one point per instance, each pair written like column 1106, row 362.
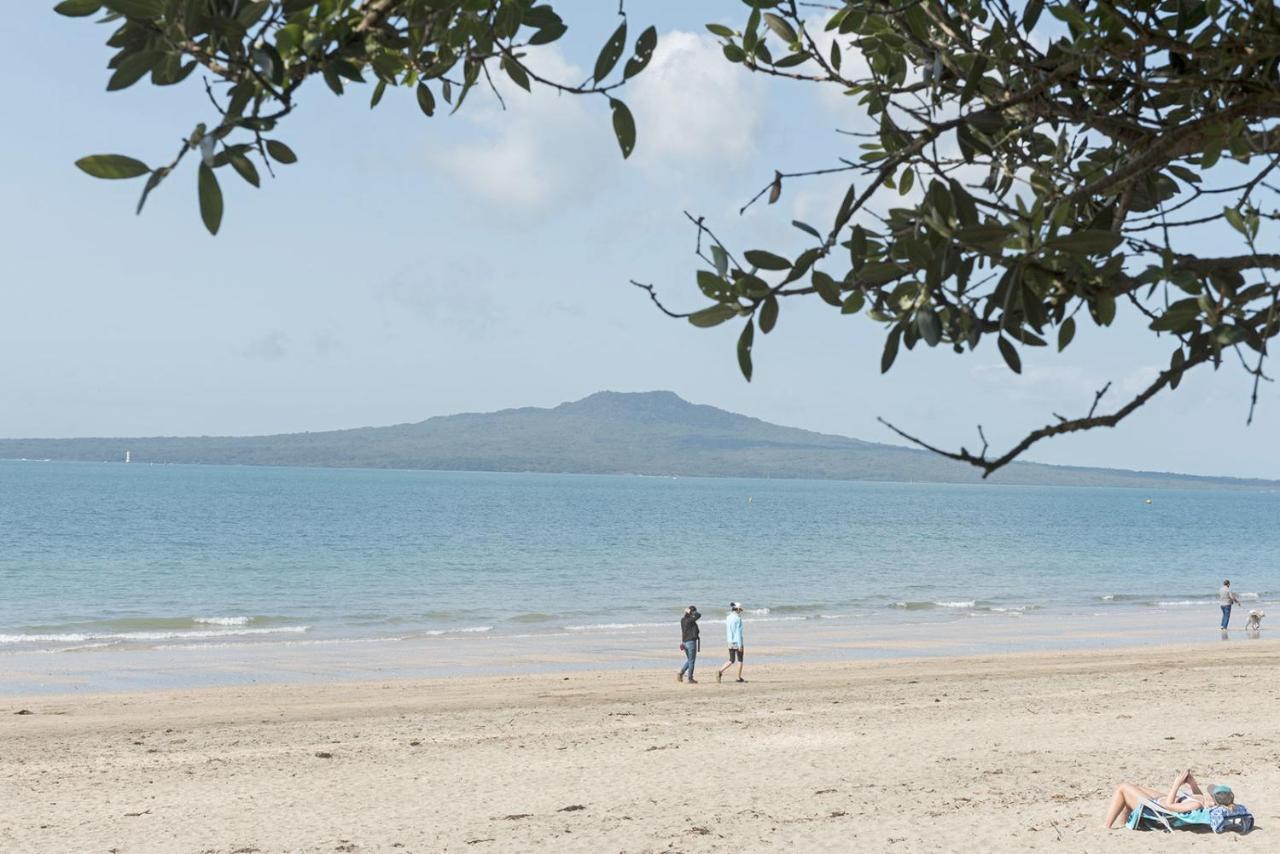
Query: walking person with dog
column 689, row 642
column 733, row 632
column 1226, row 598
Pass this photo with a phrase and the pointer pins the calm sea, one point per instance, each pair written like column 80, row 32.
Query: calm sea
column 107, row 556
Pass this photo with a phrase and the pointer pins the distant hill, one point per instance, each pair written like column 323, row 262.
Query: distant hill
column 652, row 433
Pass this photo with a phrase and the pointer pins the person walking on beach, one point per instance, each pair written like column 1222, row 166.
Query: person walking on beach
column 1226, row 599
column 689, row 642
column 733, row 631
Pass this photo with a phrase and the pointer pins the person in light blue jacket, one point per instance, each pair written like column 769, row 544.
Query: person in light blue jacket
column 733, row 631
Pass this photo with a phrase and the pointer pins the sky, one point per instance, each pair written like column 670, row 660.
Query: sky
column 408, row 267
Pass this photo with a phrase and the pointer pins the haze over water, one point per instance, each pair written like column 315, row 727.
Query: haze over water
column 109, row 556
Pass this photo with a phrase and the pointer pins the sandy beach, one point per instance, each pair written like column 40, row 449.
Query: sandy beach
column 995, row 753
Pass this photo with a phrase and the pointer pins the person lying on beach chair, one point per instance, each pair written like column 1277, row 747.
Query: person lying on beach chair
column 1134, row 804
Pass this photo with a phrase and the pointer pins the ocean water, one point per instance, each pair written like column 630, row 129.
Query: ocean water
column 146, row 558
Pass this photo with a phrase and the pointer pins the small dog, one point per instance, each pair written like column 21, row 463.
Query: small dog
column 1255, row 620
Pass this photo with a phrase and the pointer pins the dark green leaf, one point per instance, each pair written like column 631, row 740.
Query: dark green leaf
column 766, row 260
column 426, row 101
column 971, row 82
column 990, row 237
column 713, row 315
column 846, row 208
column 131, row 70
column 1181, row 316
column 378, row 92
column 1032, row 14
column 826, row 287
column 1103, row 308
column 890, row 349
column 1175, row 368
column 928, row 325
column 78, row 8
column 917, row 20
column 720, row 30
column 144, row 9
column 1237, row 221
column 624, row 127
column 1091, row 242
column 880, row 273
column 1066, row 332
column 806, row 228
column 714, row 287
column 548, row 34
column 152, row 182
column 905, row 182
column 1025, row 336
column 1010, row 355
column 210, row 198
column 852, row 303
column 645, row 46
column 112, row 166
column 515, row 72
column 768, row 314
column 611, row 52
column 245, row 167
column 281, row 152
column 781, row 28
column 744, row 348
column 752, row 286
column 721, row 258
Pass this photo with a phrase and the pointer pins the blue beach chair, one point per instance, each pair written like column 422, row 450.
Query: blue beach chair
column 1151, row 816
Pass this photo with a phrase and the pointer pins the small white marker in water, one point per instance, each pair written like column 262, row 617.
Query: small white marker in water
column 127, row 457
column 748, row 499
column 1148, row 501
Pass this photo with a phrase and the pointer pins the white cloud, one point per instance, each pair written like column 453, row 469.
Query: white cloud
column 693, row 107
column 539, row 152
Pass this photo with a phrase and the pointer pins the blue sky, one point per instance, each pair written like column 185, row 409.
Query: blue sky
column 409, row 267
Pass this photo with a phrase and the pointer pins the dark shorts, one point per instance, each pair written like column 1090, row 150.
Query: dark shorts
column 736, row 654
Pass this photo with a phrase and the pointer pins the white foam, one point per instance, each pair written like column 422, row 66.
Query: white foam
column 222, row 621
column 607, row 626
column 968, row 603
column 82, row 637
column 468, row 630
column 759, row 612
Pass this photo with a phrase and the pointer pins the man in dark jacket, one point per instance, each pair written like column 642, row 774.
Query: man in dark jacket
column 689, row 642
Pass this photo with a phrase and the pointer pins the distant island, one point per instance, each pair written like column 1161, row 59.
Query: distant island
column 648, row 433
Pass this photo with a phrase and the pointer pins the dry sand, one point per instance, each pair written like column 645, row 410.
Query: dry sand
column 996, row 753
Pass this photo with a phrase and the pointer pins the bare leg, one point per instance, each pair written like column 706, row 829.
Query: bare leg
column 1116, row 808
column 1125, row 800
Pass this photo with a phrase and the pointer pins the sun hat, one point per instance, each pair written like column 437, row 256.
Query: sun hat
column 735, row 606
column 1222, row 795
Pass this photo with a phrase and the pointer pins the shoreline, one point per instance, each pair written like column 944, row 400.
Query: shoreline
column 1005, row 752
column 640, row 646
